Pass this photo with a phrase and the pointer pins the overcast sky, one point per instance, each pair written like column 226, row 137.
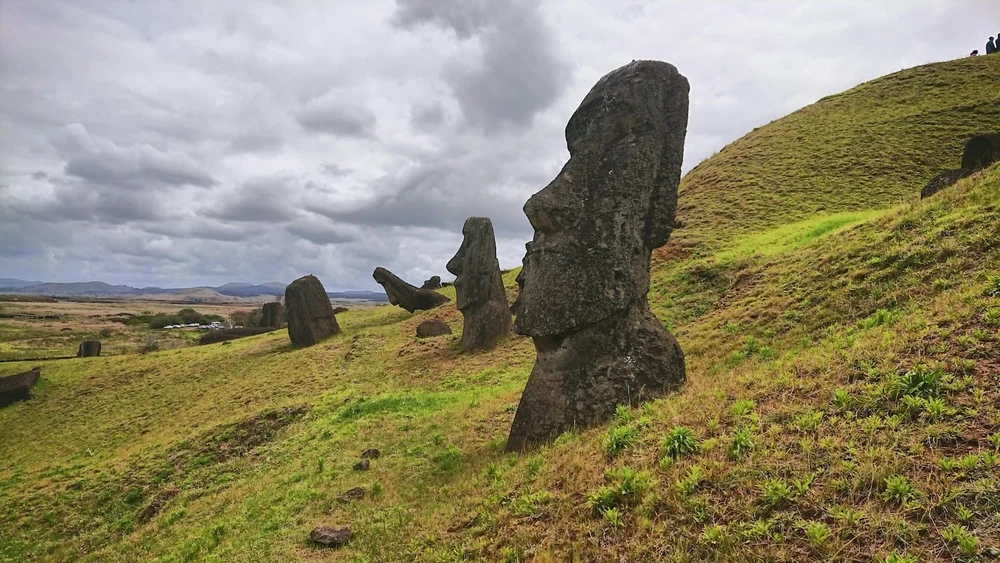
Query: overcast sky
column 184, row 143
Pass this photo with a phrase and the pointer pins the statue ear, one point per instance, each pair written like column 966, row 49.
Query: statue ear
column 663, row 205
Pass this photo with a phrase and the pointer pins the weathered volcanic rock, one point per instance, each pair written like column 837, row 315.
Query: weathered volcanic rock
column 371, row 453
column 339, row 310
column 582, row 295
column 17, row 387
column 944, row 180
column 89, row 348
column 363, row 465
column 227, row 334
column 432, row 327
column 405, row 295
column 980, row 152
column 271, row 315
column 351, row 495
column 479, row 287
column 309, row 312
column 433, row 283
column 331, row 537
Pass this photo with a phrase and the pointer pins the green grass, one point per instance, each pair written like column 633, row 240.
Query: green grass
column 841, row 401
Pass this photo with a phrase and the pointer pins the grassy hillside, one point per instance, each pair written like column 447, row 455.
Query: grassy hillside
column 867, row 148
column 842, row 403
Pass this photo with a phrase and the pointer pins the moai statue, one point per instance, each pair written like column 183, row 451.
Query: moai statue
column 309, row 312
column 405, row 295
column 479, row 287
column 586, row 272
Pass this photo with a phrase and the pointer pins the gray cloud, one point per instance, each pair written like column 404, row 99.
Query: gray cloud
column 331, row 115
column 198, row 143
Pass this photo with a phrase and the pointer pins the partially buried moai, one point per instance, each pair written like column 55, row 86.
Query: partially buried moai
column 479, row 287
column 271, row 315
column 583, row 287
column 309, row 312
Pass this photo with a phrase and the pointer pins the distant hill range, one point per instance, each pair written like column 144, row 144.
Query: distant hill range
column 202, row 294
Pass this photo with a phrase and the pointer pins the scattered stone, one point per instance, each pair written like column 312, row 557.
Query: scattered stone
column 351, row 495
column 433, row 283
column 339, row 310
column 89, row 349
column 157, row 504
column 227, row 334
column 331, row 537
column 66, row 329
column 405, row 295
column 371, row 453
column 271, row 315
column 363, row 465
column 582, row 290
column 17, row 387
column 309, row 312
column 479, row 287
column 980, row 152
column 432, row 327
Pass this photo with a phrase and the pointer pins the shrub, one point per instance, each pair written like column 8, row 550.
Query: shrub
column 740, row 445
column 687, row 485
column 992, row 287
column 448, row 460
column 841, row 399
column 678, row 443
column 743, row 407
column 963, row 538
column 817, row 533
column 899, row 489
column 775, row 493
column 920, row 381
column 619, row 438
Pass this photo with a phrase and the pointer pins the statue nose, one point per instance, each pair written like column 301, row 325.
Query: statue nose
column 545, row 212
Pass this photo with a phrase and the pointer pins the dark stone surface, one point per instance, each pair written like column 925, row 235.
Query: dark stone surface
column 433, row 283
column 309, row 312
column 272, row 315
column 432, row 327
column 582, row 291
column 944, row 180
column 981, row 151
column 405, row 295
column 339, row 310
column 479, row 287
column 371, row 453
column 226, row 334
column 17, row 387
column 363, row 465
column 331, row 537
column 89, row 349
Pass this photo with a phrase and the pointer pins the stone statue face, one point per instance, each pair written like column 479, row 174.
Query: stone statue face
column 597, row 222
column 475, row 263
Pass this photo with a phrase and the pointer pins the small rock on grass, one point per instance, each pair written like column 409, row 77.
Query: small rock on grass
column 330, row 537
column 371, row 453
column 362, row 465
column 357, row 493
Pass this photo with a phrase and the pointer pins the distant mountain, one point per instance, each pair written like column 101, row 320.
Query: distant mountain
column 202, row 293
column 14, row 282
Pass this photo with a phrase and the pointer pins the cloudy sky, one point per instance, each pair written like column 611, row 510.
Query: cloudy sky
column 181, row 142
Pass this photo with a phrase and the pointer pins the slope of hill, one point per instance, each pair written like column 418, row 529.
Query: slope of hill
column 842, row 402
column 867, row 148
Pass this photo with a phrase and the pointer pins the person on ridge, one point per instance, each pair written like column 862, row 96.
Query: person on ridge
column 990, row 47
column 974, row 53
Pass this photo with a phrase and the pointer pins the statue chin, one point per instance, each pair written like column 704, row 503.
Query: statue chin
column 581, row 377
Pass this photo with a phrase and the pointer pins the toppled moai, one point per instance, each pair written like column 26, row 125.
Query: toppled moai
column 981, row 151
column 405, row 295
column 309, row 312
column 583, row 286
column 479, row 287
column 89, row 349
column 434, row 282
column 271, row 315
column 17, row 387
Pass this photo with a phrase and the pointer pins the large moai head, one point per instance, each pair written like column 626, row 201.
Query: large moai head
column 477, row 272
column 404, row 295
column 310, row 314
column 598, row 221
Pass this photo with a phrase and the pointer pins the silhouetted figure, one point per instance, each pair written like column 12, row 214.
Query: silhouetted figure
column 991, row 47
column 974, row 53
